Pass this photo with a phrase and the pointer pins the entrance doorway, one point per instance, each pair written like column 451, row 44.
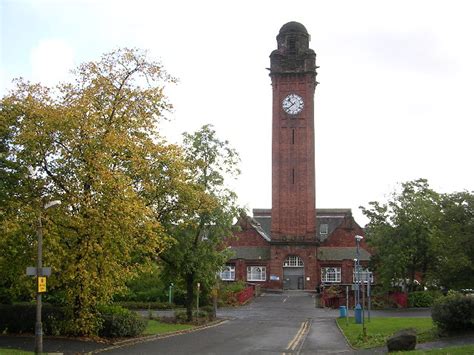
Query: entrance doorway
column 293, row 273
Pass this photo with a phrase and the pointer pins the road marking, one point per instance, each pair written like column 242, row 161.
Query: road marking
column 297, row 342
column 135, row 341
column 285, row 299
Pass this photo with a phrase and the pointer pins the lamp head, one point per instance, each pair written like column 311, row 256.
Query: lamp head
column 358, row 238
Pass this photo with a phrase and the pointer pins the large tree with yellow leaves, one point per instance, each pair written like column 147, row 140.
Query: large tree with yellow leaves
column 93, row 144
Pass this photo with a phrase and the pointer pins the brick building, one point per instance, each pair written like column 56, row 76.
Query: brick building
column 293, row 245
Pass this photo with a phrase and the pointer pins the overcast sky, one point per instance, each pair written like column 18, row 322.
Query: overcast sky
column 395, row 100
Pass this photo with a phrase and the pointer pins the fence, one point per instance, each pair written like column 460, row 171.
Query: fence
column 244, row 295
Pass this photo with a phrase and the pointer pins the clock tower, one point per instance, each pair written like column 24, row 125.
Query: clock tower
column 293, row 75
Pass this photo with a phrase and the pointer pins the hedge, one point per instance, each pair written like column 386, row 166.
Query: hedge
column 121, row 322
column 454, row 312
column 21, row 318
column 145, row 305
column 422, row 298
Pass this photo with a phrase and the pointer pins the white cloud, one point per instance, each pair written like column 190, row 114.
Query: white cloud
column 51, row 61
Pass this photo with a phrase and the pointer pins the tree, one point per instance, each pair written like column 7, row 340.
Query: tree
column 453, row 248
column 93, row 144
column 401, row 232
column 207, row 212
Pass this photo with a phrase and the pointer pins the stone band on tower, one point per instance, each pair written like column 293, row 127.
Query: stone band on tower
column 293, row 73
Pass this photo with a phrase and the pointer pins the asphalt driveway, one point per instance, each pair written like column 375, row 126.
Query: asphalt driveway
column 271, row 324
column 276, row 323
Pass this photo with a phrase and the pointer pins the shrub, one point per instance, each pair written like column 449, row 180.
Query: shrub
column 120, row 322
column 422, row 298
column 205, row 314
column 145, row 305
column 234, row 287
column 228, row 292
column 21, row 318
column 453, row 312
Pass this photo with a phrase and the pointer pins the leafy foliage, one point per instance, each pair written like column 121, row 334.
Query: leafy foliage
column 20, row 318
column 454, row 312
column 93, row 144
column 208, row 210
column 120, row 322
column 423, row 298
column 420, row 233
column 453, row 247
column 145, row 305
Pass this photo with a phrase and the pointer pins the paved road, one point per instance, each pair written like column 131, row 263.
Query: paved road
column 271, row 324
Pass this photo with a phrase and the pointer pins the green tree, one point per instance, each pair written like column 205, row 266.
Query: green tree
column 93, row 144
column 401, row 232
column 207, row 213
column 453, row 248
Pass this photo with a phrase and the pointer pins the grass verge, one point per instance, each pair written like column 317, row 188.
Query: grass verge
column 451, row 350
column 155, row 327
column 379, row 329
column 5, row 351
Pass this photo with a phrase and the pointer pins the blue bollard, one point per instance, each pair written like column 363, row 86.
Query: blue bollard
column 342, row 312
column 358, row 314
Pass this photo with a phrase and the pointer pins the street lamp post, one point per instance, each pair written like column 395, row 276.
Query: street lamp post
column 358, row 310
column 39, row 272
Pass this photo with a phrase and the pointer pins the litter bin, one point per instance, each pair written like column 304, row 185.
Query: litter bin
column 358, row 314
column 342, row 312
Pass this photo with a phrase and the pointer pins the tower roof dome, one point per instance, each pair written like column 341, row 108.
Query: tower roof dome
column 293, row 26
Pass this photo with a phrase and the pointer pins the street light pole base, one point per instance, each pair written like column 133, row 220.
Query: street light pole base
column 39, row 338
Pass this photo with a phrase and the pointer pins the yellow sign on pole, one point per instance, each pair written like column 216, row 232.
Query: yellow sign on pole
column 41, row 284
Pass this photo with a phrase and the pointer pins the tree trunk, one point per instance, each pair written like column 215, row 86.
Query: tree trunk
column 189, row 296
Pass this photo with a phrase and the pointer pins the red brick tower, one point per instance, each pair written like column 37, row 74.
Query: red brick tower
column 293, row 74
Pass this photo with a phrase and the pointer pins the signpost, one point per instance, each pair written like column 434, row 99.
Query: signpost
column 41, row 284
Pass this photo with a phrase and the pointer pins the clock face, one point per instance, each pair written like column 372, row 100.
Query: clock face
column 292, row 104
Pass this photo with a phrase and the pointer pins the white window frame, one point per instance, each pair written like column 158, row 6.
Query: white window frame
column 331, row 274
column 325, row 230
column 363, row 275
column 227, row 273
column 293, row 261
column 256, row 273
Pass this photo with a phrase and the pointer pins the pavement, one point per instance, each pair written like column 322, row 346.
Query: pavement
column 285, row 323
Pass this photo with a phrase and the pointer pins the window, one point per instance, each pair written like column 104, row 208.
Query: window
column 256, row 273
column 330, row 274
column 323, row 229
column 364, row 275
column 227, row 273
column 293, row 261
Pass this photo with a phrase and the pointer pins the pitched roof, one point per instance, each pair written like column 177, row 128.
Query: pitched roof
column 342, row 253
column 333, row 217
column 251, row 253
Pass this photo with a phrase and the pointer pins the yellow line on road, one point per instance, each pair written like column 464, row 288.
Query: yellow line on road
column 299, row 337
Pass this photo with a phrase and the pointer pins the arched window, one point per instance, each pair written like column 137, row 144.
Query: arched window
column 293, row 261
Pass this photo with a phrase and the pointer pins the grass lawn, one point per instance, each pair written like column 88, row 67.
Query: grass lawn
column 14, row 352
column 379, row 329
column 452, row 350
column 155, row 327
